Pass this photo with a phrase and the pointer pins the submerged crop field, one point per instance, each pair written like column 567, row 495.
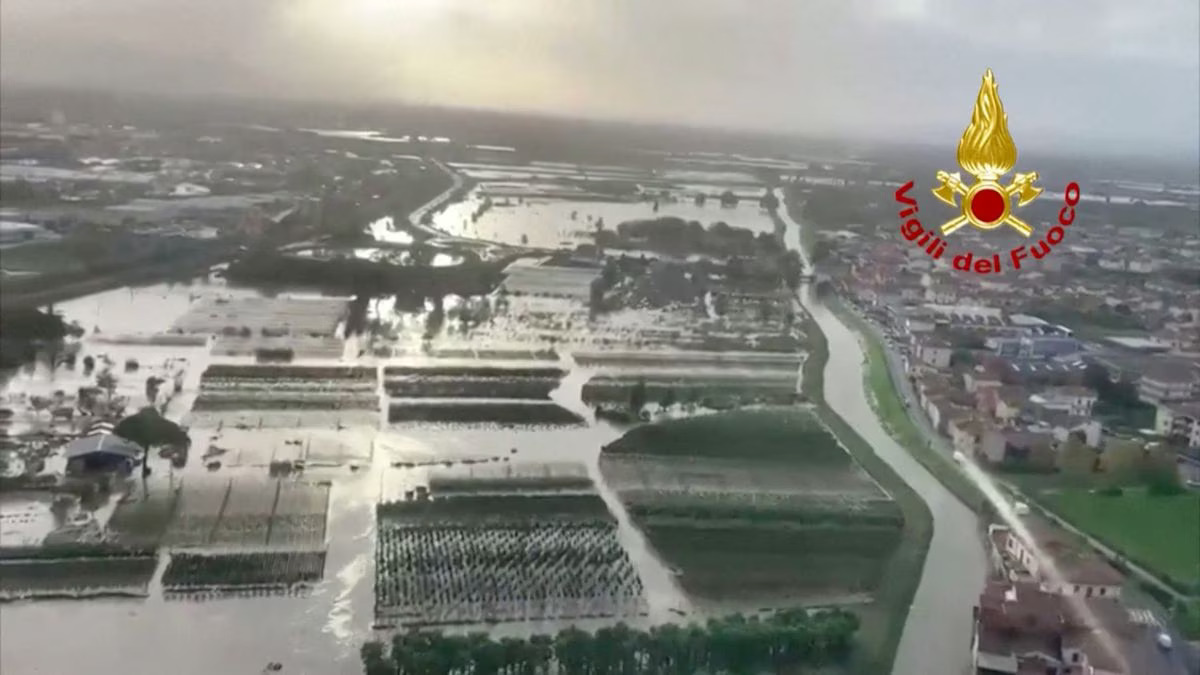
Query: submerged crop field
column 464, row 382
column 268, row 396
column 273, row 570
column 755, row 506
column 475, row 411
column 708, row 390
column 426, row 453
column 514, row 557
column 76, row 577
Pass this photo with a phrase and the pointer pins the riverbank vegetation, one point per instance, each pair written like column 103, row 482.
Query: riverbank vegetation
column 897, row 419
column 883, row 620
column 787, row 641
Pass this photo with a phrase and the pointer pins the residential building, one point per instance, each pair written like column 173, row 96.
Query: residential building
column 966, row 433
column 1090, row 431
column 1167, row 383
column 979, row 378
column 1179, row 422
column 1074, row 400
column 934, row 352
column 1188, row 462
column 1022, row 630
column 998, row 445
column 1009, row 401
column 1053, row 559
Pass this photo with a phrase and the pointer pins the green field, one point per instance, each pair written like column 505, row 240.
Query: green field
column 789, row 434
column 1161, row 533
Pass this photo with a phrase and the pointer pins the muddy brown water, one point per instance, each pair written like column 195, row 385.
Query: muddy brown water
column 318, row 632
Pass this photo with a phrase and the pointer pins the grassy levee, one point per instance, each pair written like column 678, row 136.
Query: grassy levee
column 895, row 416
column 883, row 623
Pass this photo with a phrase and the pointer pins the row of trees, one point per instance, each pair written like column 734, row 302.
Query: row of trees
column 733, row 644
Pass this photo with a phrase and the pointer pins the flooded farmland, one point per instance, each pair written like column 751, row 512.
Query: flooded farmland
column 325, row 463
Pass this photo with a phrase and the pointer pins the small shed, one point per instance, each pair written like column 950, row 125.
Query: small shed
column 101, row 453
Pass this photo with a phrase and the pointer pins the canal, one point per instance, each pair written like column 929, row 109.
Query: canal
column 937, row 636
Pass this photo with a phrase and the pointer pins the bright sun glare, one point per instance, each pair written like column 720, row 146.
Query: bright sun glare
column 377, row 10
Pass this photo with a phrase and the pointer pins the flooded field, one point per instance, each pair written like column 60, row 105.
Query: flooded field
column 536, row 221
column 339, row 482
column 798, row 519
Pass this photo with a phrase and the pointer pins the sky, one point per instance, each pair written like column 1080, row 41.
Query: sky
column 1119, row 75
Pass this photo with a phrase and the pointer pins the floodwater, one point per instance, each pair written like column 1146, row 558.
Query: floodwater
column 317, row 632
column 551, row 224
column 322, row 631
column 937, row 636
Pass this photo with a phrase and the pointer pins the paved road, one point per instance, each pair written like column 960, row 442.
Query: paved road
column 942, row 443
column 937, row 636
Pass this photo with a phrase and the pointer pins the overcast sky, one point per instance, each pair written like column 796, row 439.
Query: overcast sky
column 1072, row 73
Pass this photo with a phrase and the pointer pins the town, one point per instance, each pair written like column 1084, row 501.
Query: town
column 1073, row 381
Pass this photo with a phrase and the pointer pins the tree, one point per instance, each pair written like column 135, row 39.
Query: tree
column 152, row 387
column 1121, row 462
column 962, row 358
column 1042, row 457
column 149, row 429
column 1076, row 458
column 822, row 250
column 1160, row 473
column 108, row 382
column 793, row 269
column 669, row 399
column 637, row 397
column 769, row 201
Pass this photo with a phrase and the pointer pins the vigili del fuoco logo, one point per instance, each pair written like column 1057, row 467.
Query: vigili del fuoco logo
column 986, row 152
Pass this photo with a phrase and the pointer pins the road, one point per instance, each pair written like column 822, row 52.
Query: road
column 937, row 637
column 942, row 444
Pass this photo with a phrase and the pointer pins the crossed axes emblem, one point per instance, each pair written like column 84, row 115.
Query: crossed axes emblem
column 952, row 187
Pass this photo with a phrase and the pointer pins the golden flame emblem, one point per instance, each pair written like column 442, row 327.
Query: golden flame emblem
column 987, row 152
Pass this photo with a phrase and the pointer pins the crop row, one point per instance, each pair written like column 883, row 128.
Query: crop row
column 261, row 384
column 34, row 578
column 196, row 571
column 418, row 386
column 465, row 484
column 284, row 401
column 706, row 396
column 531, row 412
column 522, row 508
column 278, row 419
column 438, row 573
column 284, row 372
column 757, row 508
column 798, row 501
column 474, row 371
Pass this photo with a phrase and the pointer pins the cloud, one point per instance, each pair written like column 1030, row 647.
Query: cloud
column 1071, row 72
